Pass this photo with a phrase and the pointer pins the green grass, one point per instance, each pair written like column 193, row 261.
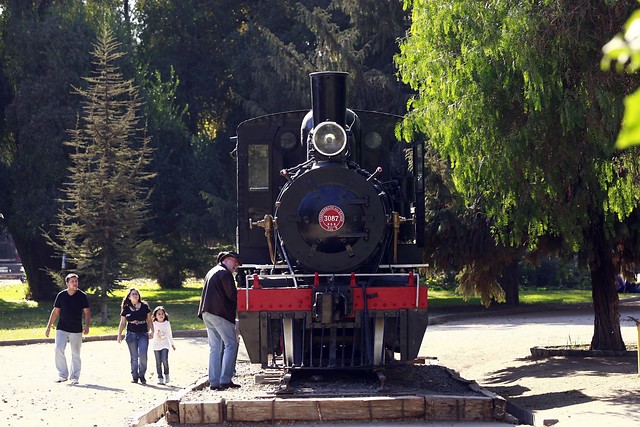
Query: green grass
column 22, row 319
column 447, row 298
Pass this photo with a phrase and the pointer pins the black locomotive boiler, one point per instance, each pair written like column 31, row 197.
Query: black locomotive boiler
column 330, row 229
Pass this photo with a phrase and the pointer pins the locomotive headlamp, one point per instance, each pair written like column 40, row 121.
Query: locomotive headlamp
column 329, row 139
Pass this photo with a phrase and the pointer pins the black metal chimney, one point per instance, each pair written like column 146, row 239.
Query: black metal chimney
column 329, row 97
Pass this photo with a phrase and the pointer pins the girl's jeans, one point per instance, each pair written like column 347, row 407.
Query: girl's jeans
column 162, row 360
column 138, row 344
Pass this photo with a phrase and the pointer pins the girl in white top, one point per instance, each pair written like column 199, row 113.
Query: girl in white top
column 162, row 340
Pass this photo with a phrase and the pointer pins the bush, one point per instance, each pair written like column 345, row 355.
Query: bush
column 171, row 265
column 441, row 281
column 554, row 273
column 550, row 273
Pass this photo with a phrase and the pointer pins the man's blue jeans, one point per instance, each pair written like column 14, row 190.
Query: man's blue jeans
column 138, row 344
column 75, row 341
column 223, row 348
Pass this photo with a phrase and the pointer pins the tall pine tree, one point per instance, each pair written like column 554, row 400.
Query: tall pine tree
column 105, row 196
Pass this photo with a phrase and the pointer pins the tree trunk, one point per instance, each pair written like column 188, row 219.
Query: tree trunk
column 509, row 283
column 606, row 305
column 37, row 256
column 104, row 310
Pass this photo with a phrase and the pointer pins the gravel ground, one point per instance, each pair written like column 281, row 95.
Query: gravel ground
column 400, row 380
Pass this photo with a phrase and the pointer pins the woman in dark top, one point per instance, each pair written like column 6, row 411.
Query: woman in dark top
column 136, row 314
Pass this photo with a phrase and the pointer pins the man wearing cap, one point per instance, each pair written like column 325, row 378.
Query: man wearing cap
column 218, row 306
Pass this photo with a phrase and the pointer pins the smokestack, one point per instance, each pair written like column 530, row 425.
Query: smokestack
column 329, row 97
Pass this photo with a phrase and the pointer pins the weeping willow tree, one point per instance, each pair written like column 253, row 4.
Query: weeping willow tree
column 513, row 101
column 624, row 50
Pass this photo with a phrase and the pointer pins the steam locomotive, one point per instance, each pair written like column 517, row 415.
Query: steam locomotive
column 330, row 231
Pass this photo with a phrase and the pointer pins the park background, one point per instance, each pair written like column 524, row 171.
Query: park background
column 519, row 107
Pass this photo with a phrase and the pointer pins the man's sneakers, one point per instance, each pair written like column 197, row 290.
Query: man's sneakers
column 74, row 381
column 160, row 380
column 166, row 379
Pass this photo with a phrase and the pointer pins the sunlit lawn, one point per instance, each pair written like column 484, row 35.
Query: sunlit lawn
column 21, row 319
column 447, row 298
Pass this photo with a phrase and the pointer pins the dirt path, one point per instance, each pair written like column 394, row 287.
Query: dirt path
column 493, row 350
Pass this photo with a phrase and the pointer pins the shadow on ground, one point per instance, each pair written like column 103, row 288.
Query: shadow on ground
column 505, row 382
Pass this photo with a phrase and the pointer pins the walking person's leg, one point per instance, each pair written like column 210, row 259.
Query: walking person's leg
column 143, row 347
column 61, row 360
column 75, row 342
column 132, row 343
column 158, row 355
column 164, row 359
column 215, row 349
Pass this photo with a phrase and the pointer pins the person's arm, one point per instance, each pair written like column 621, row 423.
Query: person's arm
column 52, row 318
column 87, row 320
column 170, row 335
column 150, row 325
column 123, row 321
column 229, row 286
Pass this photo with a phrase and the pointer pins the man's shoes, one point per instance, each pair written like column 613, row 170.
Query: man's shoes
column 135, row 380
column 214, row 387
column 143, row 380
column 166, row 379
column 230, row 384
column 160, row 380
column 61, row 380
column 74, row 382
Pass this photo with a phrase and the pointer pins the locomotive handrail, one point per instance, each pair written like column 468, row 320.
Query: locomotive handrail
column 301, row 276
column 285, row 267
column 390, row 266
